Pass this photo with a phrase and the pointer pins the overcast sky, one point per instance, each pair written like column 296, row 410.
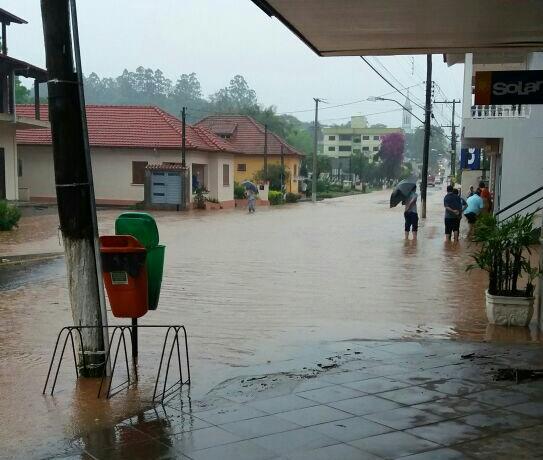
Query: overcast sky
column 218, row 39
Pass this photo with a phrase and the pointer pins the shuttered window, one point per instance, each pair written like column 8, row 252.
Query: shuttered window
column 138, row 171
column 226, row 175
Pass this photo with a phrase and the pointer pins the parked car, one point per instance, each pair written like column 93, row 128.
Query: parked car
column 431, row 182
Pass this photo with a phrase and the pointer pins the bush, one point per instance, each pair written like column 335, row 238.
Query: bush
column 200, row 197
column 239, row 191
column 275, row 197
column 324, row 195
column 9, row 216
column 292, row 197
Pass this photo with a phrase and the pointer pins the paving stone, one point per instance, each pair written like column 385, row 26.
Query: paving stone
column 393, row 445
column 293, row 441
column 389, row 369
column 456, row 387
column 532, row 435
column 314, row 415
column 230, row 414
column 453, row 406
column 500, row 447
column 535, row 409
column 403, row 418
column 365, row 405
column 260, row 426
column 199, row 439
column 348, row 376
column 376, row 385
column 243, row 450
column 417, row 377
column 282, row 404
column 534, row 389
column 447, row 433
column 336, row 452
column 136, row 450
column 351, row 429
column 412, row 395
column 438, row 454
column 311, row 384
column 499, row 397
column 406, row 348
column 499, row 420
column 330, row 394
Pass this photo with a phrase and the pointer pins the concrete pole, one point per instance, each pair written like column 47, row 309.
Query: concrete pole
column 427, row 118
column 314, row 177
column 73, row 179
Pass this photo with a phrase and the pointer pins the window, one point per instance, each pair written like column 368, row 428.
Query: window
column 331, row 138
column 356, row 150
column 356, row 140
column 331, row 149
column 19, row 167
column 138, row 171
column 242, row 167
column 226, row 136
column 376, row 138
column 344, row 148
column 365, row 149
column 345, row 137
column 375, row 149
column 226, row 175
column 366, row 138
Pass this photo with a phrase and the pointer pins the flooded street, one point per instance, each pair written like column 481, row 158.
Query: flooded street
column 251, row 289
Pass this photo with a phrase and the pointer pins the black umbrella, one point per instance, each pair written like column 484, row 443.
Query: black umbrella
column 401, row 192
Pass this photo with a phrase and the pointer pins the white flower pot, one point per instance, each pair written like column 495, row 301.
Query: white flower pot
column 509, row 311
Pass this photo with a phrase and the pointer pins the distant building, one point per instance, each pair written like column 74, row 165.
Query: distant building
column 246, row 136
column 358, row 138
column 406, row 115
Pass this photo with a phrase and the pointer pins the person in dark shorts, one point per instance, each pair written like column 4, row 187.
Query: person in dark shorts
column 453, row 211
column 411, row 215
column 474, row 207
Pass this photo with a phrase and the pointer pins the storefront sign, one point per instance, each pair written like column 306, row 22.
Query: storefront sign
column 509, row 87
column 470, row 158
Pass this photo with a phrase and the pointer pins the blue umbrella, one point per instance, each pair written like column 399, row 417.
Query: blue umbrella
column 249, row 186
column 402, row 191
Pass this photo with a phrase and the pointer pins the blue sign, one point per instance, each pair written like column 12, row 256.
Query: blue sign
column 470, row 158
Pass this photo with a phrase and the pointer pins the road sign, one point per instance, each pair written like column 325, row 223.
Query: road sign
column 509, row 87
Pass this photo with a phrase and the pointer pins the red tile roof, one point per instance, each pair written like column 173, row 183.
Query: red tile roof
column 246, row 135
column 129, row 127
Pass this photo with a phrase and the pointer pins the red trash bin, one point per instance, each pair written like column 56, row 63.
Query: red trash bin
column 125, row 275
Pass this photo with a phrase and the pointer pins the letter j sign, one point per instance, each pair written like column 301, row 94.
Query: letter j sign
column 512, row 87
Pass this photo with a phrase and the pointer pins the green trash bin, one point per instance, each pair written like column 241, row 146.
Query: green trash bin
column 142, row 226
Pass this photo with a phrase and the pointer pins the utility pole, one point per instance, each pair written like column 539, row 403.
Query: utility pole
column 426, row 151
column 453, row 134
column 314, row 177
column 185, row 177
column 183, row 137
column 282, row 166
column 265, row 152
column 73, row 179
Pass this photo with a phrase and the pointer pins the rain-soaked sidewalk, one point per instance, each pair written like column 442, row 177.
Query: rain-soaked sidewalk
column 269, row 293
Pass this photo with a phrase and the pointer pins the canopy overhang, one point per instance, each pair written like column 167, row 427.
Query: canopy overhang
column 21, row 68
column 387, row 27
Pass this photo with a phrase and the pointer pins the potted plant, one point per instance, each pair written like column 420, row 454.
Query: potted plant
column 504, row 252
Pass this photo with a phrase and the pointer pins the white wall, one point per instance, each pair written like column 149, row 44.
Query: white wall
column 112, row 171
column 7, row 142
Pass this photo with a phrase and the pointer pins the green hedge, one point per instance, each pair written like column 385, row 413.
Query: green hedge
column 292, row 197
column 239, row 191
column 275, row 197
column 9, row 215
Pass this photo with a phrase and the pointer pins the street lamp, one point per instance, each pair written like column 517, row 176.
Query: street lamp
column 377, row 98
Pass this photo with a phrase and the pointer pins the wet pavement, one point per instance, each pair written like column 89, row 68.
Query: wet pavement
column 263, row 294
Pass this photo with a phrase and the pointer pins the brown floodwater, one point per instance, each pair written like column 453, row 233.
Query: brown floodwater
column 250, row 289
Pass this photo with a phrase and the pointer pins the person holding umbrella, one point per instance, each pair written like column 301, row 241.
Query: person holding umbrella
column 251, row 191
column 406, row 193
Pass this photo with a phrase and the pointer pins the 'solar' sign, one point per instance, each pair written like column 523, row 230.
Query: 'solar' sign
column 509, row 87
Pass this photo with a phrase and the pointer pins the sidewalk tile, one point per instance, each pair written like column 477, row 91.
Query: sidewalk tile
column 351, row 429
column 499, row 397
column 412, row 395
column 330, row 394
column 349, row 376
column 336, row 452
column 314, row 415
column 393, row 445
column 230, row 414
column 199, row 439
column 534, row 409
column 403, row 418
column 499, row 420
column 242, row 450
column 500, row 447
column 365, row 405
column 456, row 387
column 282, row 404
column 293, row 441
column 438, row 454
column 376, row 385
column 260, row 426
column 447, row 433
column 453, row 406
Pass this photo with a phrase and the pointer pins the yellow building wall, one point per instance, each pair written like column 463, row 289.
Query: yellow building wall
column 255, row 163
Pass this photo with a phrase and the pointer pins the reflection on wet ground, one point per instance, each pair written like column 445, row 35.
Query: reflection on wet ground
column 251, row 289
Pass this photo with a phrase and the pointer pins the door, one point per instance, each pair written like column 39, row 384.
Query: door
column 173, row 188
column 2, row 174
column 158, row 187
column 166, row 188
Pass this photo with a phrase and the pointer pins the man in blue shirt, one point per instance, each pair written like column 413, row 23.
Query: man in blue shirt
column 453, row 212
column 474, row 207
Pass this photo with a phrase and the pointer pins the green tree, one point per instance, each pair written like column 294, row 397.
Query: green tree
column 235, row 97
column 22, row 93
column 274, row 176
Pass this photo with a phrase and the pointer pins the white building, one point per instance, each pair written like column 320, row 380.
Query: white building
column 406, row 115
column 510, row 135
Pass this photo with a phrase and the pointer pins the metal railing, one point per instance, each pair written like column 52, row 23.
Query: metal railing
column 522, row 200
column 500, row 111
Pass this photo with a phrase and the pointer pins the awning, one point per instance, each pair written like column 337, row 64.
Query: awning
column 7, row 18
column 383, row 27
column 21, row 68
